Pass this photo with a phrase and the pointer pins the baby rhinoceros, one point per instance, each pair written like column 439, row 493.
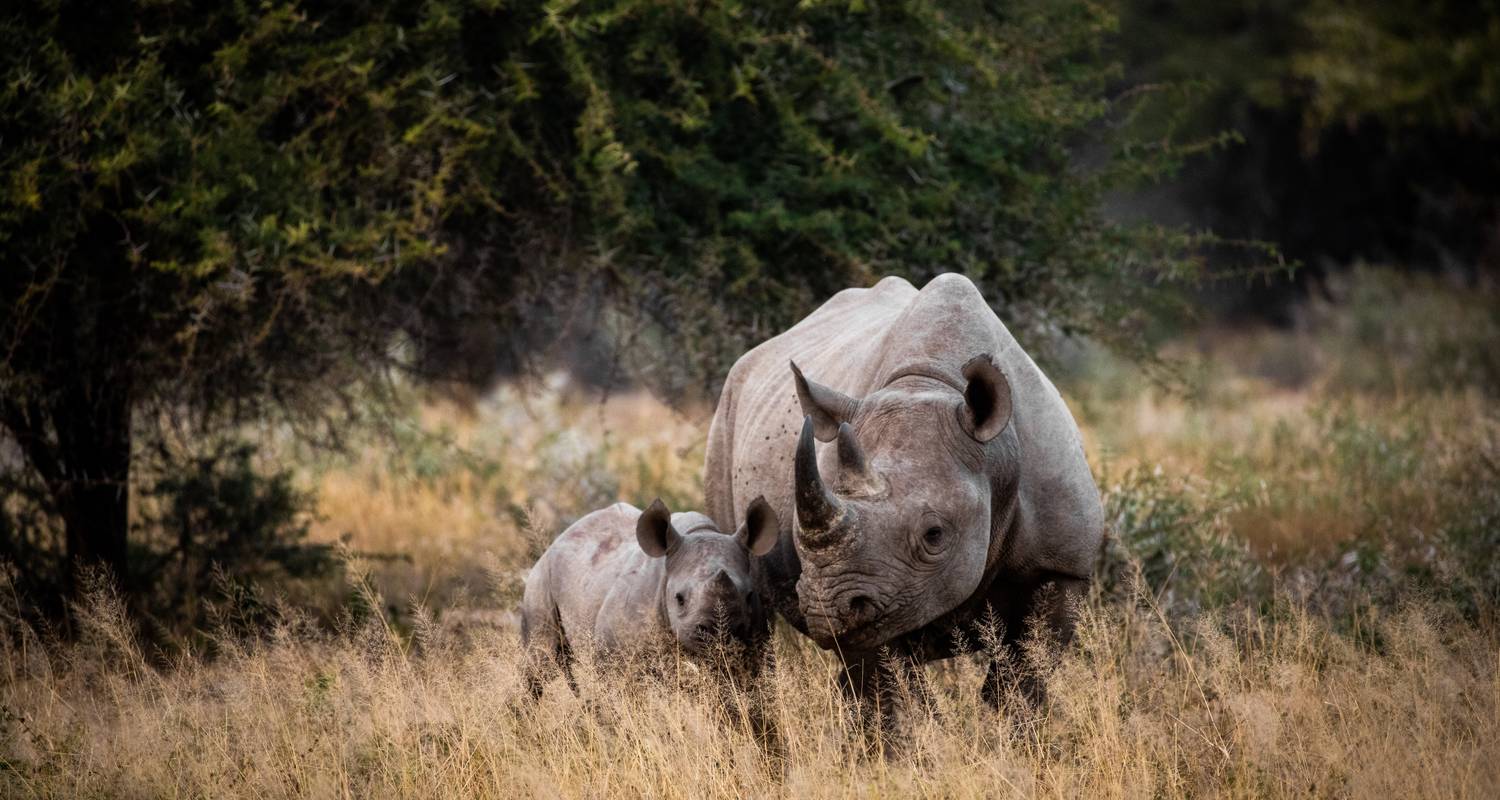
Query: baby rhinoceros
column 679, row 581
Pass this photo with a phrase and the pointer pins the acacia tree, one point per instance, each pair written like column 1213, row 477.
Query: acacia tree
column 205, row 212
column 214, row 209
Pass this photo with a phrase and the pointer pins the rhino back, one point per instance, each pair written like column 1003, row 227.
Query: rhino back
column 595, row 573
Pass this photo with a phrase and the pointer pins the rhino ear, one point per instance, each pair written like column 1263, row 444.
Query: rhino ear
column 987, row 404
column 654, row 530
column 827, row 407
column 761, row 528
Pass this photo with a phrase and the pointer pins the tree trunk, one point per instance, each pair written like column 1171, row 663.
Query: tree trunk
column 93, row 447
column 75, row 369
column 79, row 445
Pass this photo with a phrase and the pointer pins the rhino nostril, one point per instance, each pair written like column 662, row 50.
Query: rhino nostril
column 858, row 605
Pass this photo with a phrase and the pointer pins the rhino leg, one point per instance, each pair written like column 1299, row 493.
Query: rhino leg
column 1009, row 675
column 886, row 687
column 543, row 643
column 1051, row 613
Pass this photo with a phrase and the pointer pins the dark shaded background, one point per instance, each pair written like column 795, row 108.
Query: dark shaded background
column 1364, row 132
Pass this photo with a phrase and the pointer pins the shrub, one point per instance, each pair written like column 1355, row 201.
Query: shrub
column 1177, row 535
column 222, row 531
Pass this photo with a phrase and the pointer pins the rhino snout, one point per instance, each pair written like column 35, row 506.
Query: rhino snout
column 706, row 637
column 832, row 616
column 709, row 633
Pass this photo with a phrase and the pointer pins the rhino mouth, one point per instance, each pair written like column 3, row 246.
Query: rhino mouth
column 714, row 640
column 854, row 640
column 847, row 621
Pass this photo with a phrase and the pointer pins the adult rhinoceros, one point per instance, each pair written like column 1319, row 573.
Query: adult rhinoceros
column 957, row 482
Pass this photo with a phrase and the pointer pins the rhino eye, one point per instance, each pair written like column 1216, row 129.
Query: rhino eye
column 933, row 537
column 680, row 599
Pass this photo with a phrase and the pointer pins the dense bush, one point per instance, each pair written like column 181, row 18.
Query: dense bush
column 216, row 526
column 1176, row 539
column 1351, row 460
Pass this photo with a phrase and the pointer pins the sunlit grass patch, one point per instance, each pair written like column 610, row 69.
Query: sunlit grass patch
column 1374, row 471
column 458, row 500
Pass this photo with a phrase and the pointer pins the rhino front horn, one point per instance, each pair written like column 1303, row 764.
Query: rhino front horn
column 817, row 508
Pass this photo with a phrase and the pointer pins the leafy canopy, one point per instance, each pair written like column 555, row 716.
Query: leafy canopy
column 253, row 180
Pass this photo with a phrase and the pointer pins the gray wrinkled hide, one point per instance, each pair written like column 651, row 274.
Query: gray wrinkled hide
column 1019, row 512
column 596, row 585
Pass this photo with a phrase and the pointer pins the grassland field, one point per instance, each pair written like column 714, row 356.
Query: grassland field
column 1298, row 599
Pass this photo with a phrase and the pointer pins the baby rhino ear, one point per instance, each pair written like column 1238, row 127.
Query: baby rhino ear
column 761, row 528
column 654, row 530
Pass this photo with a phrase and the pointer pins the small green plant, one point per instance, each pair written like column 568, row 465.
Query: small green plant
column 221, row 530
column 1178, row 534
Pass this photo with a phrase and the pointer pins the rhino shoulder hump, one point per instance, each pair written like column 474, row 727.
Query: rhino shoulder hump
column 952, row 292
column 951, row 281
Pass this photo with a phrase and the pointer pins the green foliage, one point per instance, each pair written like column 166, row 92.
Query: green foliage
column 216, row 195
column 1178, row 536
column 1407, row 64
column 220, row 527
column 206, row 210
column 743, row 163
column 254, row 178
column 1364, row 130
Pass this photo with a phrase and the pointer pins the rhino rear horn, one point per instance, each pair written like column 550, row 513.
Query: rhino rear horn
column 855, row 475
column 987, row 400
column 827, row 407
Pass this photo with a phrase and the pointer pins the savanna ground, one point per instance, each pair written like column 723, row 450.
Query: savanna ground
column 1298, row 599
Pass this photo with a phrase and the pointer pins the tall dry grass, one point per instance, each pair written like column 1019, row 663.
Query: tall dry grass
column 1240, row 706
